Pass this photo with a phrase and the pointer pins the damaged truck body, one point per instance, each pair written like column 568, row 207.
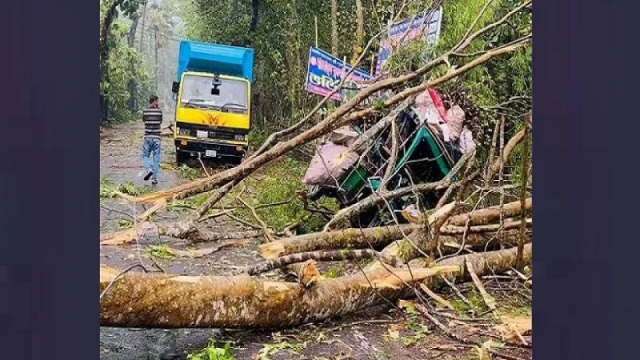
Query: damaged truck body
column 411, row 146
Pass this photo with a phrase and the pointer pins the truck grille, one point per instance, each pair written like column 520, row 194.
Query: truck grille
column 217, row 133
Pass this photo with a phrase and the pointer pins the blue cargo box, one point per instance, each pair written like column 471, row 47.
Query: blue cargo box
column 215, row 58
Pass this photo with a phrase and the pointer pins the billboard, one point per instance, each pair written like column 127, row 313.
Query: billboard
column 425, row 25
column 325, row 72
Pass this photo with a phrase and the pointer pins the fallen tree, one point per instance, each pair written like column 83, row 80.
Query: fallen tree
column 341, row 239
column 378, row 237
column 487, row 215
column 336, row 255
column 167, row 301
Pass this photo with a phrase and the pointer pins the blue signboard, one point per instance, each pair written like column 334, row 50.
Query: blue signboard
column 427, row 26
column 325, row 73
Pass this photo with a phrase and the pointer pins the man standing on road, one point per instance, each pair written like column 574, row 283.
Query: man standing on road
column 152, row 117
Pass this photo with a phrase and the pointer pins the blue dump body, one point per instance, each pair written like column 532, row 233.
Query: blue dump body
column 214, row 58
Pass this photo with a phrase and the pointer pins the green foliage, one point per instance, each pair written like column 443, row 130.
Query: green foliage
column 474, row 298
column 212, row 352
column 130, row 188
column 417, row 328
column 272, row 349
column 124, row 64
column 279, row 183
column 160, row 251
column 125, row 223
column 334, row 271
column 189, row 173
column 106, row 189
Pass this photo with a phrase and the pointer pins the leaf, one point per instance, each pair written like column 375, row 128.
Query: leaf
column 483, row 353
column 513, row 327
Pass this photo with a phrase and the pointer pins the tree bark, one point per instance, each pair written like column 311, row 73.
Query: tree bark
column 342, row 239
column 523, row 193
column 166, row 301
column 334, row 27
column 336, row 255
column 169, row 301
column 132, row 86
column 379, row 237
column 497, row 165
column 490, row 214
column 357, row 45
column 419, row 239
column 104, row 52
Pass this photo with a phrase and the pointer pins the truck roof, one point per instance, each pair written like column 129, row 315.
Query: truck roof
column 215, row 58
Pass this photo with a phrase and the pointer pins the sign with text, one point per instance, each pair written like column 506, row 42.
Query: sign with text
column 325, row 73
column 425, row 26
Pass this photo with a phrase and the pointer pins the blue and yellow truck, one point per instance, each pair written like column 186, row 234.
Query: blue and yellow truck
column 213, row 101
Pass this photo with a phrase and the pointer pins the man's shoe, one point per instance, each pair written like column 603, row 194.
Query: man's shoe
column 148, row 176
column 154, row 182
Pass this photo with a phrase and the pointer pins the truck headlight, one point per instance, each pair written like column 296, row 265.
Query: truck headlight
column 182, row 131
column 241, row 137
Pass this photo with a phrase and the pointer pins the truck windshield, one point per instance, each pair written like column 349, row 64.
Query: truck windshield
column 196, row 92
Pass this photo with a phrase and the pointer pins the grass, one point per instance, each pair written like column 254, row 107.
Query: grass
column 272, row 349
column 107, row 190
column 160, row 251
column 276, row 183
column 334, row 271
column 125, row 223
column 189, row 173
column 213, row 352
column 474, row 298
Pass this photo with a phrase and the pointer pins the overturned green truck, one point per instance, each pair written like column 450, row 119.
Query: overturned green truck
column 352, row 162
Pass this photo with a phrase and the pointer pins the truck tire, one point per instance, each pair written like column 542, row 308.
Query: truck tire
column 180, row 157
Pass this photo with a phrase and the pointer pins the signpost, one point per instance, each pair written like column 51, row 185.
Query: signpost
column 427, row 25
column 325, row 72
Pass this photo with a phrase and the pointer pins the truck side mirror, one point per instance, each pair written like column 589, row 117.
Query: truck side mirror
column 175, row 87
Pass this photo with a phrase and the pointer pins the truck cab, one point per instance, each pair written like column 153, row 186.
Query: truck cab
column 213, row 101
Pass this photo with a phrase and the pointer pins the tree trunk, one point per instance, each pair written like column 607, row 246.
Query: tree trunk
column 334, row 27
column 255, row 5
column 452, row 243
column 168, row 301
column 358, row 43
column 131, row 86
column 165, row 301
column 104, row 53
column 490, row 214
column 335, row 255
column 355, row 238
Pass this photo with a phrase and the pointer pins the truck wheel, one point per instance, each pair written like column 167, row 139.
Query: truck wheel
column 237, row 161
column 180, row 157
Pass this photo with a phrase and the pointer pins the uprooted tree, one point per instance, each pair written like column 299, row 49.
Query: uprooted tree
column 468, row 228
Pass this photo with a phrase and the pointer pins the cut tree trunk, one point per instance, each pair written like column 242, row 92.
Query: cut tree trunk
column 379, row 237
column 355, row 238
column 166, row 301
column 488, row 215
column 451, row 243
column 335, row 255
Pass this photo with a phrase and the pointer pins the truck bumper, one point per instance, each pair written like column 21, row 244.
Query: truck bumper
column 205, row 149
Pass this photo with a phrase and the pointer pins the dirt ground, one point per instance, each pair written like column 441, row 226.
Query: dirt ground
column 366, row 335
